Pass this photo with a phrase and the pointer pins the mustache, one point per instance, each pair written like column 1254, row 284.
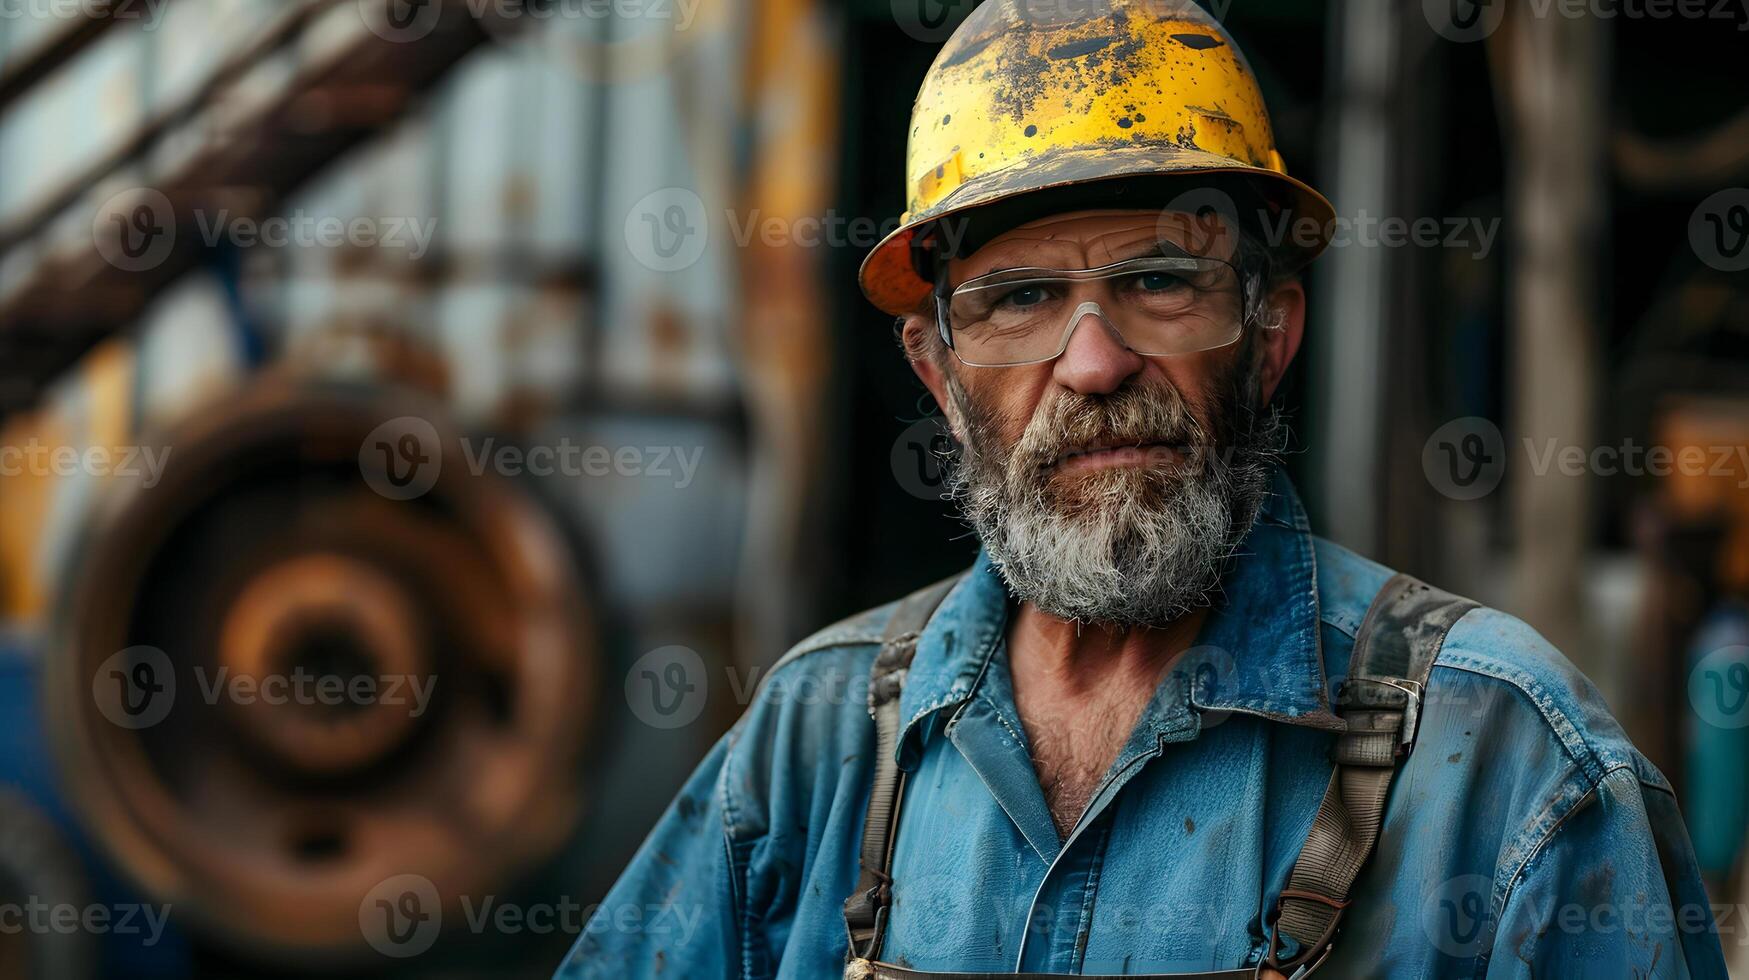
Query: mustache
column 1134, row 415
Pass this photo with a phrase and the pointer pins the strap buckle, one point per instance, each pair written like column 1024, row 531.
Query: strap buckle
column 1313, row 955
column 864, row 933
column 1386, row 694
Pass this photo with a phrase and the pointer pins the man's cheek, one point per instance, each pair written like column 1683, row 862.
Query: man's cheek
column 997, row 426
column 1010, row 397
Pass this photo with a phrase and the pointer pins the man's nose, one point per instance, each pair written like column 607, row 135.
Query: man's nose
column 1097, row 361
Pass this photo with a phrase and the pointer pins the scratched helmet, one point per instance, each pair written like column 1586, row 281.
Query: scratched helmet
column 1036, row 107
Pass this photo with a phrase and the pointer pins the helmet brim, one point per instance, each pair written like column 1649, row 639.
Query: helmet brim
column 1297, row 219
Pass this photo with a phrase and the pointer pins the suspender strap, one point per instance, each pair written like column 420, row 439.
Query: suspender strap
column 887, row 971
column 1381, row 703
column 865, row 911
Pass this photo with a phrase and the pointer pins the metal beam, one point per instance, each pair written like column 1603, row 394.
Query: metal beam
column 74, row 297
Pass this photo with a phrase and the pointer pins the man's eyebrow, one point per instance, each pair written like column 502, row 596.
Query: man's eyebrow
column 1003, row 267
column 1149, row 248
column 1011, row 263
column 1136, row 249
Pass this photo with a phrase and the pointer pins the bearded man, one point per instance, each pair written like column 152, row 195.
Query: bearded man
column 1159, row 728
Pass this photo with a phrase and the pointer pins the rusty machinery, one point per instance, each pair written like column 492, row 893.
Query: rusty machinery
column 455, row 621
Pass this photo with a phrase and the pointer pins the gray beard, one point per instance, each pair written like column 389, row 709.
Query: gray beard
column 1124, row 546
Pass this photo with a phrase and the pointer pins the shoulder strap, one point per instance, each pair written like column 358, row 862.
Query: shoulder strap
column 1380, row 702
column 865, row 911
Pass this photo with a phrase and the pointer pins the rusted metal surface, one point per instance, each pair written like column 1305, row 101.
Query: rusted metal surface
column 264, row 553
column 75, row 296
column 529, row 318
column 152, row 131
column 784, row 324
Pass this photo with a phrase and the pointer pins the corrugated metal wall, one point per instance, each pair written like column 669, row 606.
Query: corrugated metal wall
column 527, row 169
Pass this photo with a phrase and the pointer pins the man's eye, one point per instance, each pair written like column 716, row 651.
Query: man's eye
column 1157, row 281
column 1023, row 296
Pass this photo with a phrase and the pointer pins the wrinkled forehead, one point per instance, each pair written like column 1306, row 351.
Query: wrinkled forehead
column 1090, row 239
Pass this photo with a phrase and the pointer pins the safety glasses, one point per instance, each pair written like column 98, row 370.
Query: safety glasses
column 1159, row 305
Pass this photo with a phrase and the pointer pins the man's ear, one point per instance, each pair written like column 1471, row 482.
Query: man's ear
column 1277, row 347
column 919, row 343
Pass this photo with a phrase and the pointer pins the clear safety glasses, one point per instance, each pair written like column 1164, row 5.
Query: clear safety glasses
column 1158, row 304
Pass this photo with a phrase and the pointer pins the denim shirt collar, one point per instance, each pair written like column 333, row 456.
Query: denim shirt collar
column 1258, row 651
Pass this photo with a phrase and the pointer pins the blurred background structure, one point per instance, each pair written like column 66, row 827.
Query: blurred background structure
column 512, row 348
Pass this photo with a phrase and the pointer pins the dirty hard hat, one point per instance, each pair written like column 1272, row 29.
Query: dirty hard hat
column 1036, row 107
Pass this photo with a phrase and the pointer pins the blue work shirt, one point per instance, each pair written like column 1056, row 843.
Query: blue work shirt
column 1525, row 836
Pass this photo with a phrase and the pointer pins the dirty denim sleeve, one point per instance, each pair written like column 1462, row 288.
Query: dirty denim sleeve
column 719, row 887
column 1610, row 889
column 671, row 912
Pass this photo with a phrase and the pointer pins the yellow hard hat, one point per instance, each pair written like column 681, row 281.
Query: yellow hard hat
column 1083, row 103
